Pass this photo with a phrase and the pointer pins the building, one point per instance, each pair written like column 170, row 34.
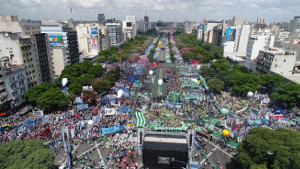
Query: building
column 4, row 99
column 114, row 31
column 276, row 60
column 30, row 27
column 92, row 38
column 242, row 39
column 259, row 41
column 208, row 31
column 58, row 41
column 188, row 27
column 260, row 20
column 129, row 28
column 161, row 150
column 217, row 35
column 235, row 21
column 42, row 53
column 15, row 82
column 73, row 47
column 283, row 36
column 101, row 18
column 147, row 22
column 295, row 24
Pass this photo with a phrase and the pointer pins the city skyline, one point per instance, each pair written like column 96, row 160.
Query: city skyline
column 166, row 10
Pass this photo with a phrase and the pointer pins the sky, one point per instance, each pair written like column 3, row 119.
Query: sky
column 166, row 10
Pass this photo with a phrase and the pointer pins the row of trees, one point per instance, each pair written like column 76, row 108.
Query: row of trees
column 240, row 81
column 80, row 74
column 193, row 49
column 136, row 45
column 26, row 154
column 172, row 57
column 47, row 96
column 152, row 51
column 265, row 149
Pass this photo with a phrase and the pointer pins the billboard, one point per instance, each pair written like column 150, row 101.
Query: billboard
column 230, row 34
column 94, row 31
column 94, row 44
column 56, row 41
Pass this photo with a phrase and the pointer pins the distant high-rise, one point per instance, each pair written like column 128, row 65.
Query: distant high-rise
column 115, row 33
column 260, row 20
column 295, row 24
column 101, row 18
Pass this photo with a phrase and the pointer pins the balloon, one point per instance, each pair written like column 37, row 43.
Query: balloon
column 120, row 93
column 151, row 72
column 250, row 94
column 64, row 82
column 90, row 122
column 160, row 82
column 194, row 80
column 225, row 133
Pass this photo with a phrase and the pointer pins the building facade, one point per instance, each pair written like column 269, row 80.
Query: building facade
column 101, row 18
column 43, row 55
column 129, row 28
column 276, row 60
column 73, row 52
column 16, row 84
column 114, row 31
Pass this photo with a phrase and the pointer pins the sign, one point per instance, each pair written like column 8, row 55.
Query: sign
column 94, row 44
column 87, row 87
column 94, row 31
column 56, row 41
column 38, row 113
column 113, row 129
column 230, row 34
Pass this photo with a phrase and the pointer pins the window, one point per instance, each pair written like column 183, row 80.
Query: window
column 284, row 60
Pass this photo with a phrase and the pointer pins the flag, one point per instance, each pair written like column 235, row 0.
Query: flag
column 140, row 119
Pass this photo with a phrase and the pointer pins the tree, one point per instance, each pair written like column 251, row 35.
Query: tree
column 288, row 93
column 265, row 148
column 102, row 86
column 89, row 97
column 84, row 79
column 75, row 88
column 178, row 31
column 25, row 154
column 53, row 99
column 271, row 81
column 33, row 94
column 215, row 85
column 207, row 73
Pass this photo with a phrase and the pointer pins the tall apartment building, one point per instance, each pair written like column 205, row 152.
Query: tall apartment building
column 101, row 18
column 295, row 24
column 73, row 47
column 260, row 41
column 114, row 31
column 276, row 60
column 208, row 31
column 42, row 53
column 260, row 20
column 129, row 28
column 242, row 37
column 60, row 45
column 4, row 100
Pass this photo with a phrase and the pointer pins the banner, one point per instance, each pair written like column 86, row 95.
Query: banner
column 113, row 129
column 56, row 41
column 173, row 105
column 140, row 119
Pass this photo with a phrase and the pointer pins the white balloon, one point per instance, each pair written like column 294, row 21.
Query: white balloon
column 160, row 82
column 250, row 94
column 151, row 72
column 64, row 82
column 120, row 93
column 90, row 122
column 194, row 80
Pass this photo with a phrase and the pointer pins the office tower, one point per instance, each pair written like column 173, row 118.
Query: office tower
column 114, row 31
column 101, row 18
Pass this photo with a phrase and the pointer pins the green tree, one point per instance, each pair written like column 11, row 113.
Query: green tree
column 53, row 99
column 96, row 70
column 178, row 31
column 85, row 79
column 207, row 73
column 215, row 85
column 271, row 81
column 264, row 148
column 25, row 154
column 288, row 93
column 102, row 86
column 75, row 88
column 33, row 94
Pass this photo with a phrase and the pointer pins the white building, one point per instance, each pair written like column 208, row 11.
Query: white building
column 276, row 60
column 260, row 41
column 58, row 43
column 129, row 28
column 114, row 31
column 242, row 39
column 208, row 31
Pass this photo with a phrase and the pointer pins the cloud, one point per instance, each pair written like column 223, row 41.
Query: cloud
column 166, row 10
